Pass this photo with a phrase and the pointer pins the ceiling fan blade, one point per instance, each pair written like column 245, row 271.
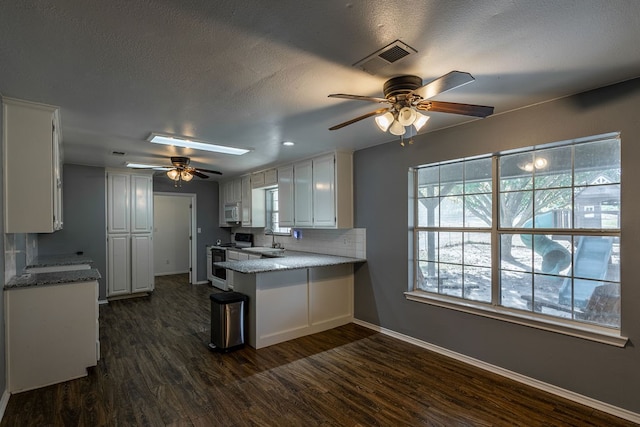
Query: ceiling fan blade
column 198, row 174
column 357, row 119
column 358, row 97
column 456, row 108
column 447, row 82
column 209, row 171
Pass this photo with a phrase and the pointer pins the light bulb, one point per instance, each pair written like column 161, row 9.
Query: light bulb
column 173, row 174
column 384, row 121
column 420, row 121
column 186, row 176
column 540, row 162
column 406, row 116
column 396, row 128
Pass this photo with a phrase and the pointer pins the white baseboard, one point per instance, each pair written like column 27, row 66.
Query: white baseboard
column 558, row 391
column 170, row 273
column 103, row 301
column 201, row 282
column 3, row 403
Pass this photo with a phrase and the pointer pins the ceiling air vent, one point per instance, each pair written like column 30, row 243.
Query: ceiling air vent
column 388, row 55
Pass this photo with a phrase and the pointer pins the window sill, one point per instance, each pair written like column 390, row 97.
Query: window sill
column 588, row 332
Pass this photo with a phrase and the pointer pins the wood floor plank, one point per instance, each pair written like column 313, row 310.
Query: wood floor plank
column 156, row 370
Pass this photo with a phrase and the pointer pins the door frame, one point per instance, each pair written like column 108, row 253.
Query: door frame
column 193, row 248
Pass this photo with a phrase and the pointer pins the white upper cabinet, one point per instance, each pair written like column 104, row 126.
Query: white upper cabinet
column 270, row 177
column 257, row 180
column 303, row 199
column 31, row 138
column 285, row 196
column 333, row 190
column 233, row 191
column 141, row 204
column 118, row 200
column 129, row 203
column 324, row 194
column 245, row 184
column 312, row 193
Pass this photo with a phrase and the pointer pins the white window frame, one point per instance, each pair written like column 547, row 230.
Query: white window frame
column 278, row 231
column 607, row 335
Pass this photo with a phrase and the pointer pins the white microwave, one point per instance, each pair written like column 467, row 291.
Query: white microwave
column 232, row 212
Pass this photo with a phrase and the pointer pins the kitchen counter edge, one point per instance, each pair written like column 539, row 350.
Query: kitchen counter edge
column 56, row 260
column 293, row 260
column 28, row 280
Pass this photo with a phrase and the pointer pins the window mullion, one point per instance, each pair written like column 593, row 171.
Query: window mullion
column 495, row 236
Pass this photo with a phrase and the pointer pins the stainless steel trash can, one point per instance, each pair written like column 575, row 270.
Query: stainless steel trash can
column 227, row 320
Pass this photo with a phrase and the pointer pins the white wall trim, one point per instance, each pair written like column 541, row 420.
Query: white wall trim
column 201, row 282
column 3, row 403
column 171, row 273
column 550, row 388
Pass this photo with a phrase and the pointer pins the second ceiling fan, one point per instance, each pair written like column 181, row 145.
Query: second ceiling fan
column 407, row 96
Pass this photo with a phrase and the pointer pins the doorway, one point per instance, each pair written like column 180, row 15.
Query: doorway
column 174, row 243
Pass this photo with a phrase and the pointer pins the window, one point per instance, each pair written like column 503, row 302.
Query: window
column 535, row 231
column 272, row 213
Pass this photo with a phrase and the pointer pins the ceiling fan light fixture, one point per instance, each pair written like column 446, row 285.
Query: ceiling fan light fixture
column 186, row 176
column 397, row 129
column 384, row 121
column 420, row 121
column 173, row 174
column 406, row 116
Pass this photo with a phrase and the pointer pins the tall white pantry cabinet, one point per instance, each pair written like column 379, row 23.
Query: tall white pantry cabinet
column 129, row 233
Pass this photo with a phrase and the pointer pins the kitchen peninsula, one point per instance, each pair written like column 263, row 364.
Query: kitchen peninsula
column 294, row 294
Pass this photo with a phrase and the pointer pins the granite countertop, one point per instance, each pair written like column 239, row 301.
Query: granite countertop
column 288, row 260
column 55, row 260
column 45, row 279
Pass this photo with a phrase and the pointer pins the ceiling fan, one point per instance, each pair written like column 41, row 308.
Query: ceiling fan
column 181, row 165
column 180, row 170
column 407, row 96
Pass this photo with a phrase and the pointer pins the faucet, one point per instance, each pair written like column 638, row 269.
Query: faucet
column 273, row 236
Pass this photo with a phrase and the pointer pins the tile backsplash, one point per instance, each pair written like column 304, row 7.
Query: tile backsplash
column 343, row 242
column 19, row 250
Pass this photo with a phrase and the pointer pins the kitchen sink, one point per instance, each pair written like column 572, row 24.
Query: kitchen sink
column 264, row 250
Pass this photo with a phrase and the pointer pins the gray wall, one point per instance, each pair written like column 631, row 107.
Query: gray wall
column 600, row 371
column 206, row 192
column 3, row 374
column 84, row 228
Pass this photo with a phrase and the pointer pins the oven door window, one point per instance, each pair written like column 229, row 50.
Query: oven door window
column 218, row 256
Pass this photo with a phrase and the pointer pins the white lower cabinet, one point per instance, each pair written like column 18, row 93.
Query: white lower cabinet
column 141, row 263
column 51, row 334
column 129, row 264
column 285, row 305
column 118, row 265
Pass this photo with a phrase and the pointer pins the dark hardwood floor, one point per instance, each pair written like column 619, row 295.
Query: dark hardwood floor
column 156, row 369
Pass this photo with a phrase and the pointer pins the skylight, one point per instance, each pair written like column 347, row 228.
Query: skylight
column 185, row 142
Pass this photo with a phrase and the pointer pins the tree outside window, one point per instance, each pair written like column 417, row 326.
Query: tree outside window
column 556, row 227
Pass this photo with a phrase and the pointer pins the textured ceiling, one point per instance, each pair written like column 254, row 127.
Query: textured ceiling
column 253, row 73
